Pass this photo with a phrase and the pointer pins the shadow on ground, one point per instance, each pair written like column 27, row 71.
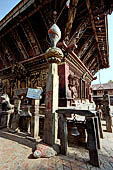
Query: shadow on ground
column 17, row 137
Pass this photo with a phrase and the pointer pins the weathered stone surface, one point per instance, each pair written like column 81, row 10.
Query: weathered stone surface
column 44, row 151
column 15, row 153
column 51, row 118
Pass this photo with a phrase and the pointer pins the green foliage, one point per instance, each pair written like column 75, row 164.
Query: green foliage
column 110, row 81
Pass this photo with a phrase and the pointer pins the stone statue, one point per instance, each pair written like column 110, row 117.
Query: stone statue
column 6, row 105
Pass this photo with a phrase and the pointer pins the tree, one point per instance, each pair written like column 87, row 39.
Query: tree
column 110, row 81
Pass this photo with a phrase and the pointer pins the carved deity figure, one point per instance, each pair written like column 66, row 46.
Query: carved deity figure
column 74, row 93
column 73, row 86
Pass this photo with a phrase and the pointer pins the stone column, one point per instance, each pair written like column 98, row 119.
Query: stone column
column 53, row 56
column 35, row 118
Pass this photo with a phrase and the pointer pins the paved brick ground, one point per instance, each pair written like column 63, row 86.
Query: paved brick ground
column 16, row 154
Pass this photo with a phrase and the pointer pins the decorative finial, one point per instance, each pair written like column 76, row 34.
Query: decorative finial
column 54, row 35
column 54, row 16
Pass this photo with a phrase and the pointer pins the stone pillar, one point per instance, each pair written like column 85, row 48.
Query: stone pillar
column 53, row 56
column 35, row 118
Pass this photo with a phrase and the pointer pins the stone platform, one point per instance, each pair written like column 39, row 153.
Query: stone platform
column 16, row 154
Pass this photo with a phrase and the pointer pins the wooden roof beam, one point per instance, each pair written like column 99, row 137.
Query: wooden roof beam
column 2, row 59
column 93, row 60
column 71, row 17
column 31, row 37
column 79, row 31
column 89, row 54
column 18, row 42
column 8, row 51
column 85, row 47
column 94, row 28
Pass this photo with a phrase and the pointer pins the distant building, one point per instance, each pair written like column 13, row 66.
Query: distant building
column 99, row 90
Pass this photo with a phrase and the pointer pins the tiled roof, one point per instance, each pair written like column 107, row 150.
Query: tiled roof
column 105, row 86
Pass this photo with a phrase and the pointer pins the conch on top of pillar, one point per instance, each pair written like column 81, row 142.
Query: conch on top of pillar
column 54, row 35
column 54, row 54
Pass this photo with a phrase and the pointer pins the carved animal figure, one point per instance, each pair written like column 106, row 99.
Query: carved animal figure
column 6, row 106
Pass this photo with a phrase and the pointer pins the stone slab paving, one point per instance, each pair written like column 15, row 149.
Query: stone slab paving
column 16, row 154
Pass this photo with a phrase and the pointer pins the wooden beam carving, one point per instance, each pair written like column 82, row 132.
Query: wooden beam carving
column 92, row 61
column 5, row 53
column 2, row 58
column 31, row 37
column 71, row 17
column 89, row 54
column 8, row 51
column 47, row 18
column 93, row 27
column 79, row 31
column 85, row 46
column 20, row 46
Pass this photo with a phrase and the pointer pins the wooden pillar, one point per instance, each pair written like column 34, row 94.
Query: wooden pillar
column 81, row 89
column 92, row 142
column 100, row 125
column 97, row 132
column 109, row 123
column 63, row 134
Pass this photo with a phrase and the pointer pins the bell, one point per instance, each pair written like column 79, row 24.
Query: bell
column 74, row 131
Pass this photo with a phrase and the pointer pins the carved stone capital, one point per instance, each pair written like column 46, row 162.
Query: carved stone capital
column 54, row 55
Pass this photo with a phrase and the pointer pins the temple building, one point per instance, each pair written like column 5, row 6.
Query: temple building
column 84, row 42
column 50, row 52
column 98, row 92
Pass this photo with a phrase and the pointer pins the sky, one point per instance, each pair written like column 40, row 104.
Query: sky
column 6, row 6
column 105, row 74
